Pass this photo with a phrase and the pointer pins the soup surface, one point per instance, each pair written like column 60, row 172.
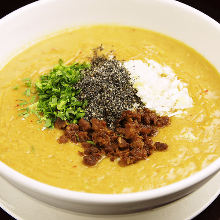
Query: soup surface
column 193, row 137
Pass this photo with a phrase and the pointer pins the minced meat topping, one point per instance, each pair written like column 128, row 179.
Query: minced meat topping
column 129, row 142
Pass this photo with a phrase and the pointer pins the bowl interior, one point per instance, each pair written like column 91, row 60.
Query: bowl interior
column 33, row 22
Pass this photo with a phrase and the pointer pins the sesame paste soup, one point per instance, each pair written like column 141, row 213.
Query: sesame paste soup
column 193, row 137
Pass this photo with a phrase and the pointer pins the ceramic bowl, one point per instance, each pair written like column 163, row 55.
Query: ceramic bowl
column 30, row 23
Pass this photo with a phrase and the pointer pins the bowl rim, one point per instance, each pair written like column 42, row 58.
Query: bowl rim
column 96, row 198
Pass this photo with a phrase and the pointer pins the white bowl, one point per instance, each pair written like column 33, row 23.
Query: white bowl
column 172, row 18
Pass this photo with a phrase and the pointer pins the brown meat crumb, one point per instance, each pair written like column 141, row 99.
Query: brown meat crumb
column 84, row 125
column 130, row 141
column 160, row 146
column 60, row 124
column 63, row 139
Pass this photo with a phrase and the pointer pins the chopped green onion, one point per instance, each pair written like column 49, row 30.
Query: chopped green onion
column 90, row 142
column 56, row 95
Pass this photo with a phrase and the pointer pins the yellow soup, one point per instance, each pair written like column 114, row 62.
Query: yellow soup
column 193, row 138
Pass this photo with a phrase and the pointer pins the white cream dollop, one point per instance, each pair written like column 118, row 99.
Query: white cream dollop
column 158, row 87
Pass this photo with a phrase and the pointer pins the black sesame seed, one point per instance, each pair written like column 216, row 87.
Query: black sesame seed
column 108, row 89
